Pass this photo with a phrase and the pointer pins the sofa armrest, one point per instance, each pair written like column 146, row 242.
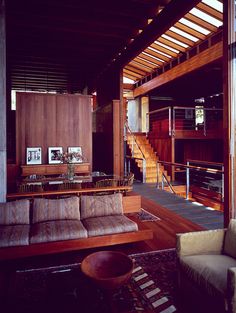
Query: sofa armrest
column 231, row 281
column 200, row 242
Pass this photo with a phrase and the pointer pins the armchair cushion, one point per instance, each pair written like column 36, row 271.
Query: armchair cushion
column 57, row 230
column 230, row 239
column 94, row 206
column 209, row 272
column 56, row 209
column 106, row 225
column 15, row 212
column 201, row 242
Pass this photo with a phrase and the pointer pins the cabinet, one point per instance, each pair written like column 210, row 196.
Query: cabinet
column 53, row 169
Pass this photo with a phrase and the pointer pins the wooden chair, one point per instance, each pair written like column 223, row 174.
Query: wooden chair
column 129, row 179
column 107, row 183
column 29, row 188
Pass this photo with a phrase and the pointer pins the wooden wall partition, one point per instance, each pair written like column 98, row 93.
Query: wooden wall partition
column 51, row 120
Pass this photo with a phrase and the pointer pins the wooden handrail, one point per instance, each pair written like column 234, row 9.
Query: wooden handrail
column 205, row 162
column 197, row 168
column 12, row 196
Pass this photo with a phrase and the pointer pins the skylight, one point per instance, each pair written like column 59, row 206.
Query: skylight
column 217, row 5
column 184, row 34
column 194, row 26
column 206, row 17
column 152, row 56
column 127, row 80
column 158, row 51
column 175, row 41
column 144, row 60
column 165, row 46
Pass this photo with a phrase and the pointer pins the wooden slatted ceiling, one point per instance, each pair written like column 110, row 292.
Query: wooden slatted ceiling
column 70, row 39
column 199, row 23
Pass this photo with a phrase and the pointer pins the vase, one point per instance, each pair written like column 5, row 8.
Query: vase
column 70, row 171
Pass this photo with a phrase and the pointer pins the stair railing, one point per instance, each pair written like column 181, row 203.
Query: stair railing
column 205, row 169
column 134, row 143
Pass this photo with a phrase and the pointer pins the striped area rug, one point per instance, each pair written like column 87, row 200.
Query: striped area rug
column 64, row 289
column 154, row 275
column 156, row 300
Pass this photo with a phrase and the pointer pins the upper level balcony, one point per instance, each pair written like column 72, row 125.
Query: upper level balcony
column 185, row 122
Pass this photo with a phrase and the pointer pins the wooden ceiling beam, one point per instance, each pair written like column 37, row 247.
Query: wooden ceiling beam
column 190, row 31
column 203, row 58
column 160, row 24
column 164, row 50
column 157, row 55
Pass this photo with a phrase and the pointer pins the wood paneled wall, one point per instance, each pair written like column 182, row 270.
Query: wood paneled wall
column 48, row 120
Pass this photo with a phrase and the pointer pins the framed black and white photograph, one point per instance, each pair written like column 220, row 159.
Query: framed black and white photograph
column 33, row 155
column 76, row 154
column 54, row 155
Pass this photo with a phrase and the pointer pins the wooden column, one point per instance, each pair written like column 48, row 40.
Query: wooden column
column 118, row 138
column 229, row 122
column 3, row 152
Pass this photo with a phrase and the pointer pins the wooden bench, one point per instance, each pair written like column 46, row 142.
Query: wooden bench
column 131, row 205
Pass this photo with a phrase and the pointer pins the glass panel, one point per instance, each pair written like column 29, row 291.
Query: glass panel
column 194, row 26
column 206, row 17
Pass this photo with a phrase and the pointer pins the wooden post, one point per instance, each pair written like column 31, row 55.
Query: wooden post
column 3, row 152
column 229, row 119
column 118, row 138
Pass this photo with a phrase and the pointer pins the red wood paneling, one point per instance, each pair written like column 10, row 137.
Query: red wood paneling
column 48, row 120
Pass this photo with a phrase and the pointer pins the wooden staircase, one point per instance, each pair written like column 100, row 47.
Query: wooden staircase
column 149, row 154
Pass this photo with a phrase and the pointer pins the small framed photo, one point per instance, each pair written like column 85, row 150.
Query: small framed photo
column 33, row 155
column 54, row 155
column 76, row 154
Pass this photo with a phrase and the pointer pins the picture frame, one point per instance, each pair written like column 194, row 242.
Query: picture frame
column 76, row 150
column 53, row 155
column 33, row 155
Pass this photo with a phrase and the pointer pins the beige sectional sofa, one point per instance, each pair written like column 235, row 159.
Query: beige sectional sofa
column 55, row 225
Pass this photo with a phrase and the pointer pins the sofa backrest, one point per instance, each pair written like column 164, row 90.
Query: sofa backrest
column 56, row 209
column 230, row 239
column 94, row 206
column 15, row 212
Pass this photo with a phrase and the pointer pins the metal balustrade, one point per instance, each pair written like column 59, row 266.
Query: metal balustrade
column 170, row 121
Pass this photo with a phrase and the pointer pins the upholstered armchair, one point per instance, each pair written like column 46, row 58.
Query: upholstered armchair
column 207, row 269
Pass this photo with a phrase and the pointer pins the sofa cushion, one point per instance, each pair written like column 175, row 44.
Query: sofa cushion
column 14, row 235
column 57, row 230
column 105, row 225
column 209, row 272
column 93, row 206
column 230, row 239
column 15, row 212
column 56, row 209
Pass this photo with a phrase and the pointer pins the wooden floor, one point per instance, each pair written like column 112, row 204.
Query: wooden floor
column 164, row 231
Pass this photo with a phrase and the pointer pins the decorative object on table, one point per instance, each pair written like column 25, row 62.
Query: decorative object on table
column 33, row 155
column 76, row 153
column 54, row 155
column 70, row 158
column 63, row 288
